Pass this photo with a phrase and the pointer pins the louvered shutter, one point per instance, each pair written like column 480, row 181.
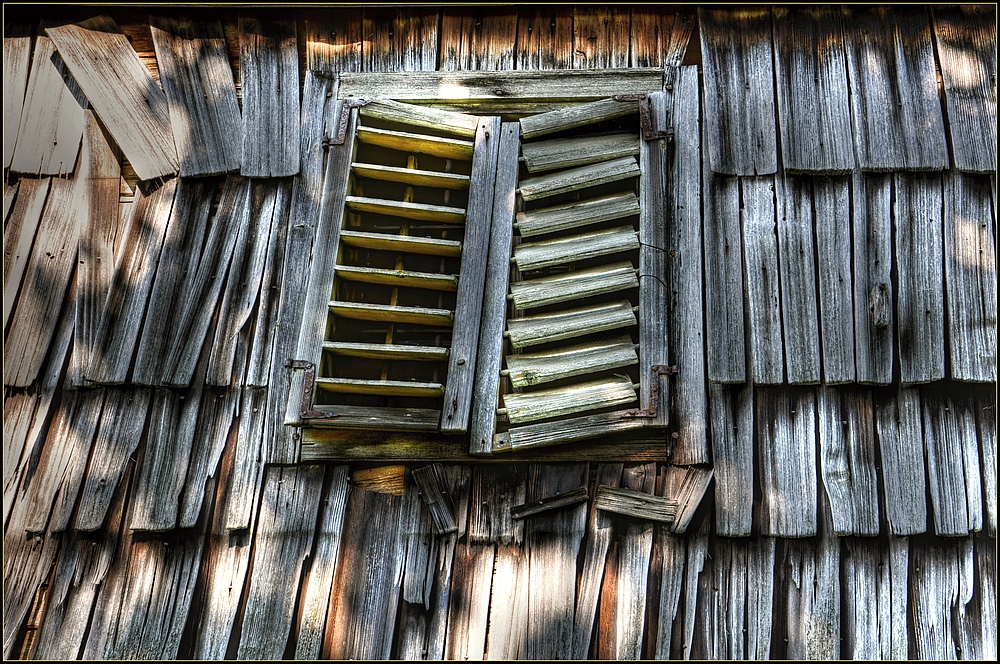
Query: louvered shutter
column 390, row 335
column 577, row 281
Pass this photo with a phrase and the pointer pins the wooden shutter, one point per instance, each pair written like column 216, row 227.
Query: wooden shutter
column 390, row 336
column 581, row 349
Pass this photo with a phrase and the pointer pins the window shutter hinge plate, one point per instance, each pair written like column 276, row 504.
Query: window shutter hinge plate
column 645, row 121
column 308, row 387
column 345, row 114
column 654, row 390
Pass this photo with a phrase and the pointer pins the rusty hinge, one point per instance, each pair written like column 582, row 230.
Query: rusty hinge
column 308, row 386
column 654, row 390
column 645, row 119
column 345, row 116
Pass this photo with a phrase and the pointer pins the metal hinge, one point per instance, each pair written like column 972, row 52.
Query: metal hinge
column 645, row 118
column 345, row 116
column 308, row 386
column 654, row 390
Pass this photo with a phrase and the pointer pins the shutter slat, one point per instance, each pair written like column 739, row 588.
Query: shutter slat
column 426, row 246
column 411, row 176
column 574, row 285
column 392, row 314
column 371, row 275
column 535, row 368
column 544, row 328
column 437, row 146
column 546, row 253
column 574, row 179
column 394, row 388
column 416, row 211
column 544, row 404
column 386, row 351
column 578, row 151
column 568, row 216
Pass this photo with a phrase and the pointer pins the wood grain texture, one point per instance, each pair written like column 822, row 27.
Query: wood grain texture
column 941, row 588
column 731, row 410
column 671, row 551
column 636, row 542
column 832, row 213
column 986, row 409
column 797, row 268
column 967, row 53
column 477, row 38
column 16, row 62
column 508, row 621
column 871, row 218
column 246, row 473
column 544, row 37
column 269, row 80
column 953, row 469
column 920, row 263
column 812, row 88
column 468, row 611
column 333, row 41
column 723, row 246
column 128, row 101
column 763, row 298
column 19, row 235
column 811, row 571
column 874, row 599
column 215, row 418
column 201, row 94
column 739, row 90
column 399, row 39
column 785, row 423
column 894, row 89
column 658, row 38
column 970, row 278
column 898, row 422
column 600, row 37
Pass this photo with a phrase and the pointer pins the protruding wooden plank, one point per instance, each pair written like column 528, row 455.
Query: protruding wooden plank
column 573, row 116
column 760, row 258
column 129, row 103
column 953, row 471
column 970, row 276
column 898, row 422
column 386, row 351
column 19, row 234
column 873, row 248
column 543, row 328
column 454, row 124
column 831, row 207
column 201, row 94
column 600, row 37
column 581, row 177
column 558, row 153
column 399, row 39
column 438, row 146
column 418, row 211
column 636, row 504
column 941, row 586
column 812, row 88
column 733, row 457
column 402, row 278
column 894, row 90
column 533, row 293
column 50, row 122
column 572, row 215
column 660, row 39
column 725, row 335
column 269, row 80
column 592, row 395
column 739, row 90
column 398, row 388
column 528, row 369
column 967, row 51
column 480, row 38
column 785, row 422
column 686, row 485
column 427, row 246
column 920, row 262
column 410, row 176
column 392, row 314
column 16, row 61
column 544, row 37
column 434, row 493
column 874, row 597
column 558, row 501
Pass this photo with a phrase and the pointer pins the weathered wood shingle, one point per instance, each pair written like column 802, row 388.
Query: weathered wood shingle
column 723, row 246
column 16, row 62
column 763, row 281
column 871, row 219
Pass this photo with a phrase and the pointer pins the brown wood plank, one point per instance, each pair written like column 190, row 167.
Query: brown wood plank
column 739, row 83
column 659, row 38
column 724, row 318
column 544, row 37
column 508, row 621
column 112, row 77
column 16, row 62
column 894, row 90
column 813, row 105
column 468, row 611
column 399, row 39
column 600, row 36
column 477, row 38
column 967, row 53
column 50, row 123
column 19, row 235
column 731, row 410
column 898, row 422
column 760, row 258
column 269, row 79
column 201, row 94
column 953, row 469
column 785, row 423
column 874, row 598
column 832, row 209
column 333, row 41
column 871, row 219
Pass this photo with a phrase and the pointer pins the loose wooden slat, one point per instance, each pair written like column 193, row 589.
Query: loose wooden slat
column 434, row 493
column 600, row 37
column 333, row 41
column 941, row 587
column 558, row 501
column 573, row 116
column 785, row 423
column 543, row 328
column 686, row 485
column 50, row 123
column 528, row 369
column 201, row 94
column 658, row 38
column 898, row 422
column 725, row 335
column 581, row 177
column 399, row 39
column 478, row 39
column 19, row 234
column 812, row 90
column 635, row 551
column 970, row 278
column 797, row 267
column 269, row 79
column 413, row 177
column 129, row 103
column 402, row 278
column 566, row 216
column 894, row 90
column 920, row 262
column 544, row 37
column 760, row 258
column 635, row 504
column 403, row 243
column 575, row 429
column 739, row 85
column 392, row 314
column 16, row 61
column 592, row 395
column 454, row 124
column 831, row 205
column 533, row 293
column 386, row 351
column 875, row 580
column 558, row 153
column 873, row 311
column 438, row 146
column 733, row 454
column 380, row 387
column 953, row 471
column 546, row 253
column 418, row 211
column 967, row 52
column 377, row 418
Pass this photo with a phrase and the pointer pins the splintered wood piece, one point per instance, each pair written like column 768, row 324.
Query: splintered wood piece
column 581, row 177
column 585, row 427
column 578, row 213
column 392, row 314
column 386, row 351
column 438, row 146
column 686, row 485
column 417, row 211
column 578, row 151
column 570, row 117
column 573, row 285
column 604, row 393
column 434, row 492
column 535, row 368
column 411, row 176
column 371, row 275
column 394, row 388
column 546, row 253
column 555, row 502
column 543, row 328
column 426, row 246
column 636, row 504
column 456, row 124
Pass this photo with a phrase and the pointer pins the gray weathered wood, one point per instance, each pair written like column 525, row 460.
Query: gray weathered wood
column 760, row 260
column 526, row 369
column 561, row 250
column 785, row 423
column 725, row 344
column 494, row 492
column 454, row 124
column 468, row 611
column 636, row 504
column 118, row 333
column 575, row 285
column 832, row 209
column 9, row 194
column 571, row 215
column 966, row 42
column 970, row 276
column 215, row 418
column 269, row 81
column 573, row 116
column 986, row 568
column 398, row 39
column 411, row 176
column 871, row 220
column 636, row 547
column 812, row 587
column 556, row 502
column 508, row 622
column 953, row 470
column 472, row 276
column 122, row 92
column 543, row 328
column 18, row 412
column 722, row 609
column 739, row 90
column 50, row 123
column 920, row 263
column 397, row 278
column 544, row 37
column 434, row 493
column 585, row 427
column 333, row 41
column 477, row 39
column 418, row 211
column 201, row 94
column 797, row 266
column 687, row 486
column 577, row 151
column 760, row 596
column 671, row 550
column 247, row 469
column 579, row 397
column 403, row 243
column 574, row 179
column 874, row 597
column 659, row 39
column 812, row 88
column 941, row 586
column 18, row 236
column 284, row 539
column 893, row 90
column 986, row 417
column 900, row 435
column 697, row 552
column 16, row 61
column 733, row 454
column 848, row 463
